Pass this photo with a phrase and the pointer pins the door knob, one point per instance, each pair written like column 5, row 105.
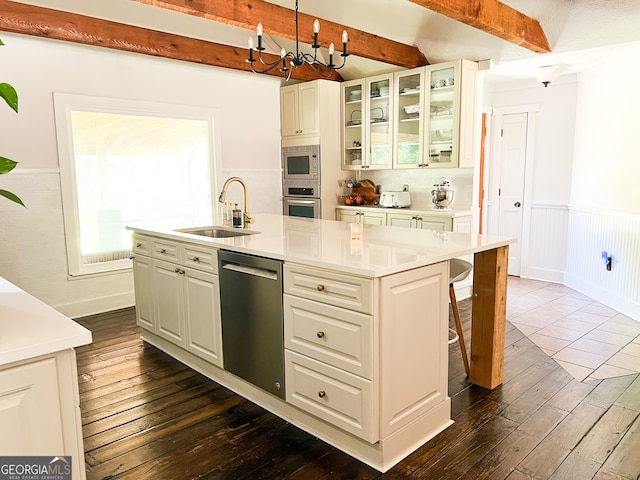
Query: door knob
column 517, row 204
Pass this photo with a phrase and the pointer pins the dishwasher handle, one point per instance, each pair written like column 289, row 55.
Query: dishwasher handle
column 255, row 271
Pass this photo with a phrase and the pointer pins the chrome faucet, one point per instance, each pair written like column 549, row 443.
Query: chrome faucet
column 247, row 219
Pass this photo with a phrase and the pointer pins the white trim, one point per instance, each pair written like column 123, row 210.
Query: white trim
column 94, row 306
column 33, row 171
column 608, row 298
column 64, row 104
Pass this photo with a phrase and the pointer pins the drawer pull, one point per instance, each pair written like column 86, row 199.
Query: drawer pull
column 195, row 259
column 322, row 394
column 177, row 270
column 138, row 245
column 163, row 250
column 320, row 334
column 320, row 288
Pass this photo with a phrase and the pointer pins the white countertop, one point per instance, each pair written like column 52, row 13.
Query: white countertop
column 381, row 251
column 30, row 328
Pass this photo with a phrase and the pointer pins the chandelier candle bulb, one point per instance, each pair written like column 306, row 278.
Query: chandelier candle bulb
column 259, row 32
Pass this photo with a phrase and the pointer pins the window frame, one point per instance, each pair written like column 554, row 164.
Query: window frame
column 64, row 104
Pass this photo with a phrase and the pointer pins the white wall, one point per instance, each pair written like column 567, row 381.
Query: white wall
column 605, row 192
column 584, row 189
column 32, row 249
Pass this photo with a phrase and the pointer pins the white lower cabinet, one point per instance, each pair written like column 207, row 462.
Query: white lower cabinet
column 370, row 367
column 33, row 427
column 179, row 299
column 362, row 216
column 418, row 220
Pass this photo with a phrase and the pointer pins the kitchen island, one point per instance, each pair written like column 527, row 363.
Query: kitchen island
column 365, row 322
column 39, row 398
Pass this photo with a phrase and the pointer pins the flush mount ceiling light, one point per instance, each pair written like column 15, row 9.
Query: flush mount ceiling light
column 299, row 58
column 547, row 74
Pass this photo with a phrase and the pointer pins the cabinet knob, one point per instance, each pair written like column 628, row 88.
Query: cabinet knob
column 320, row 334
column 138, row 245
column 163, row 250
column 177, row 270
column 322, row 394
column 195, row 259
column 320, row 288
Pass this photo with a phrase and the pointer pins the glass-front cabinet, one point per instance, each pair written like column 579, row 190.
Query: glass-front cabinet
column 442, row 115
column 367, row 106
column 409, row 124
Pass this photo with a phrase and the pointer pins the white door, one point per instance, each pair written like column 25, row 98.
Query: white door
column 512, row 150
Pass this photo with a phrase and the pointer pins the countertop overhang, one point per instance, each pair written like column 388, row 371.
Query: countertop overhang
column 379, row 251
column 30, row 328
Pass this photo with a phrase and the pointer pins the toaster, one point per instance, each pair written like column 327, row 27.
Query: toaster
column 395, row 199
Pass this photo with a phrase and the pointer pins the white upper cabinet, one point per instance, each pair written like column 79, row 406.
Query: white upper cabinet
column 435, row 118
column 367, row 111
column 299, row 110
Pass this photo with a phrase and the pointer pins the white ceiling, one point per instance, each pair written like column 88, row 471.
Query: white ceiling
column 582, row 33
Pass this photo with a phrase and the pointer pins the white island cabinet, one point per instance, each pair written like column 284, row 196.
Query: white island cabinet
column 39, row 398
column 365, row 326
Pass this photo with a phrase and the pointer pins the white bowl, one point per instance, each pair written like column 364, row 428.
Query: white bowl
column 412, row 109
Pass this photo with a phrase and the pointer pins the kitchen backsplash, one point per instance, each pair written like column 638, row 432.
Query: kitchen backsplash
column 421, row 183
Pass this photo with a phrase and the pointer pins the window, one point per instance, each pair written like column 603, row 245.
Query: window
column 124, row 163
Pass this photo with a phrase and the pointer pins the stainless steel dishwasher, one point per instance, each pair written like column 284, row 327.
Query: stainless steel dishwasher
column 252, row 319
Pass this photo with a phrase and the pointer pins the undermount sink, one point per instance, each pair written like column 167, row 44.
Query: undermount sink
column 216, row 232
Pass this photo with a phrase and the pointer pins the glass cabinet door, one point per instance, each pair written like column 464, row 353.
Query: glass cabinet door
column 378, row 129
column 353, row 124
column 441, row 133
column 409, row 91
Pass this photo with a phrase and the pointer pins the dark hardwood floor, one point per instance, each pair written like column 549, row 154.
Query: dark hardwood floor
column 145, row 415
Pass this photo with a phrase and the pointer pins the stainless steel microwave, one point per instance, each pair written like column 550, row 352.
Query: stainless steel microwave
column 301, row 163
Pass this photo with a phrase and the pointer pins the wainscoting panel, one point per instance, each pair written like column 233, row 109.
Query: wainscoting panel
column 545, row 249
column 590, row 233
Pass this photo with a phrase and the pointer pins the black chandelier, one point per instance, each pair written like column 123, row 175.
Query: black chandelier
column 299, row 58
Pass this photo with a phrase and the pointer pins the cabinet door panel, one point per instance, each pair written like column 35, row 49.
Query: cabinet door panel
column 30, row 426
column 414, row 325
column 202, row 296
column 308, row 108
column 289, row 110
column 169, row 301
column 143, row 278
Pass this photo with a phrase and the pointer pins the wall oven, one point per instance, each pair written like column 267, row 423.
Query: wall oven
column 301, row 181
column 301, row 207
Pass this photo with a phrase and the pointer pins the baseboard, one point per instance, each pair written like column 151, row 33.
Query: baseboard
column 611, row 300
column 546, row 275
column 94, row 306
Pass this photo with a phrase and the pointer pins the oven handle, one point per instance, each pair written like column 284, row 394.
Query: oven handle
column 297, row 201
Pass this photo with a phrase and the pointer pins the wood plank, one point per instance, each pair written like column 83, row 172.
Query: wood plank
column 71, row 27
column 280, row 22
column 603, row 438
column 495, row 18
column 488, row 317
column 625, row 461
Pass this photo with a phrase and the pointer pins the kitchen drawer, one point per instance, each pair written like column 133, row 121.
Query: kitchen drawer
column 142, row 244
column 201, row 258
column 333, row 288
column 339, row 337
column 167, row 250
column 333, row 395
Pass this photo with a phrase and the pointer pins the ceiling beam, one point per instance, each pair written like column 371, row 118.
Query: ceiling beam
column 280, row 22
column 494, row 18
column 58, row 25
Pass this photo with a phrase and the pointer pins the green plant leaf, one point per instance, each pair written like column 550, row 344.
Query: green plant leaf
column 6, row 165
column 12, row 197
column 10, row 96
column 1, row 43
